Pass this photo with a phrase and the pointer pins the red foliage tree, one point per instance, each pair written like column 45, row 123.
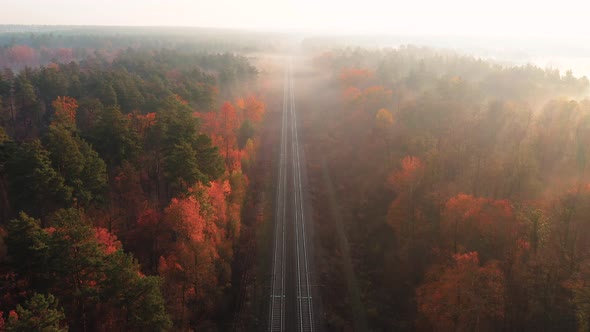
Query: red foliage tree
column 223, row 126
column 141, row 122
column 107, row 241
column 463, row 296
column 218, row 192
column 354, row 76
column 351, row 94
column 376, row 97
column 22, row 55
column 253, row 109
column 483, row 224
column 196, row 258
column 405, row 214
column 411, row 169
column 184, row 217
column 228, row 125
column 65, row 111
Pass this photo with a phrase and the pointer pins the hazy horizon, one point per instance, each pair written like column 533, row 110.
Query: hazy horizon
column 517, row 33
column 459, row 17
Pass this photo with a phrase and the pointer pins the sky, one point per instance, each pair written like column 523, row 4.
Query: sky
column 520, row 18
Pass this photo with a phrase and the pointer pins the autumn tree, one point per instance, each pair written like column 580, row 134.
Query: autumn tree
column 463, row 296
column 195, row 267
column 376, row 97
column 482, row 224
column 127, row 200
column 403, row 212
column 65, row 111
column 354, row 76
column 253, row 109
column 22, row 55
column 228, row 124
column 141, row 123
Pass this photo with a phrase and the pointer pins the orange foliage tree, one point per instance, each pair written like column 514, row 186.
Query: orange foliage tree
column 463, row 296
column 406, row 214
column 376, row 97
column 195, row 264
column 354, row 76
column 351, row 94
column 483, row 224
column 252, row 108
column 141, row 122
column 65, row 111
column 107, row 241
column 223, row 127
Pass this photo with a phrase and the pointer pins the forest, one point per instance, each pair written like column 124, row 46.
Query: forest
column 123, row 177
column 138, row 183
column 462, row 187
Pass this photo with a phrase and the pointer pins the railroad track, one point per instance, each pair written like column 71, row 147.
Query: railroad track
column 291, row 300
column 277, row 293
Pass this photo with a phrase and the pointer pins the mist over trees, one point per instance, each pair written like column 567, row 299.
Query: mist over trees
column 464, row 188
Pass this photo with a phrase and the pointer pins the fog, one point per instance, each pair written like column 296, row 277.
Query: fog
column 460, row 17
column 537, row 32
